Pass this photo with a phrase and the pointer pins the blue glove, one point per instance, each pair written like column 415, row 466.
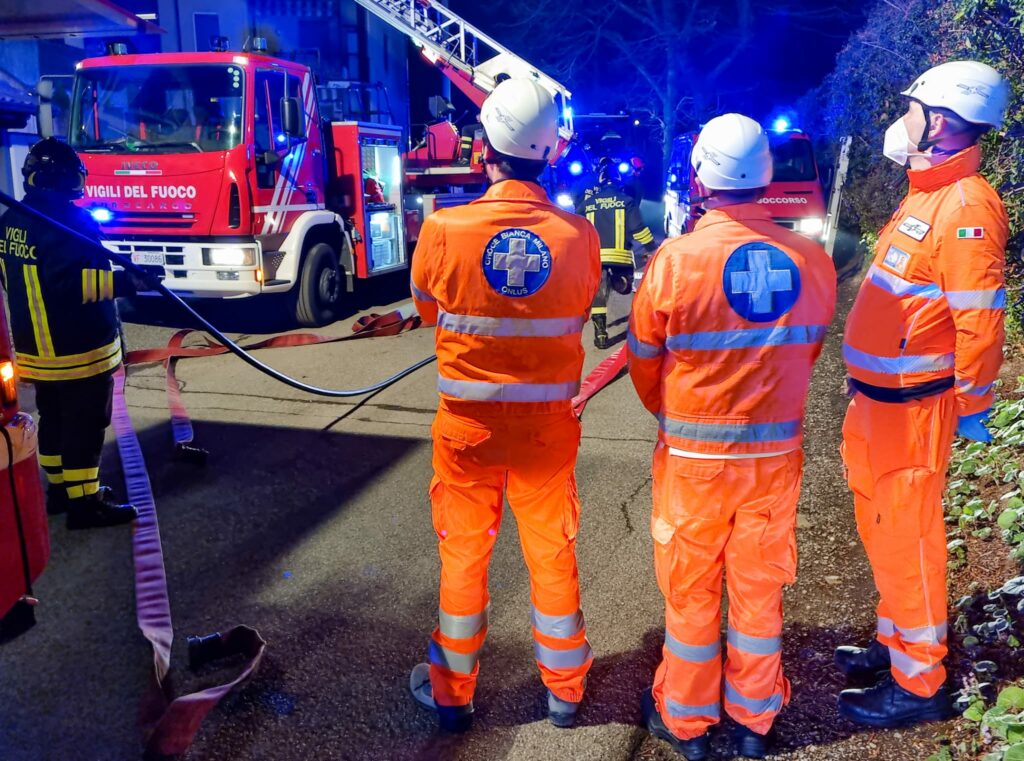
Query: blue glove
column 973, row 426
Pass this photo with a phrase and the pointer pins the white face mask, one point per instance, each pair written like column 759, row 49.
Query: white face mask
column 897, row 143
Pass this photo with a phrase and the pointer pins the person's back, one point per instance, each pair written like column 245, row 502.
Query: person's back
column 745, row 305
column 507, row 280
column 509, row 274
column 726, row 326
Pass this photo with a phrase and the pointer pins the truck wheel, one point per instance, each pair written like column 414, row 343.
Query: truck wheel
column 320, row 287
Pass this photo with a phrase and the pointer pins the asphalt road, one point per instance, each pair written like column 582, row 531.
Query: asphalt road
column 311, row 523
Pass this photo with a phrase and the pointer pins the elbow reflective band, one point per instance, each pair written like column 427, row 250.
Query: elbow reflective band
column 995, row 299
column 642, row 350
column 897, row 286
column 421, row 295
column 968, row 387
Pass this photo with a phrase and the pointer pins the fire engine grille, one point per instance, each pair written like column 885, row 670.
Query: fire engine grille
column 174, row 256
column 164, row 219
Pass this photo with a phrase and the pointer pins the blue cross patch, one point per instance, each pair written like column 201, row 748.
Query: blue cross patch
column 517, row 262
column 761, row 282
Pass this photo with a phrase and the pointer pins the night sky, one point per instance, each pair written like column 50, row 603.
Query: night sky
column 787, row 58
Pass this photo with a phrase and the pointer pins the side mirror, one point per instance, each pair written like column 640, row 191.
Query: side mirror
column 44, row 112
column 290, row 117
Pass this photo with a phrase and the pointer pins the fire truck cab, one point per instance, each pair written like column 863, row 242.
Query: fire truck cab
column 215, row 171
column 795, row 197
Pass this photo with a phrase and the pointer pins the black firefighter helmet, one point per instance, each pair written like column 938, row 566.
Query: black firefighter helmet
column 608, row 172
column 54, row 166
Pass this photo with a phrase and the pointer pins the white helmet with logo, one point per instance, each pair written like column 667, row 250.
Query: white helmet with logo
column 973, row 91
column 520, row 119
column 732, row 153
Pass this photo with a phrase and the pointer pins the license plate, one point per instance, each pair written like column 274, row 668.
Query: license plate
column 148, row 258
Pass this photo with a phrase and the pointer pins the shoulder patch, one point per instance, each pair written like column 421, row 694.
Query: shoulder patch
column 761, row 282
column 517, row 262
column 914, row 227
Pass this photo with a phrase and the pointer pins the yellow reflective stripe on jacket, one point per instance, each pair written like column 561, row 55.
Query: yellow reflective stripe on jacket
column 70, row 360
column 88, row 287
column 108, row 285
column 97, row 285
column 644, row 236
column 590, row 217
column 37, row 311
column 620, row 228
column 50, row 460
column 29, row 373
column 616, row 256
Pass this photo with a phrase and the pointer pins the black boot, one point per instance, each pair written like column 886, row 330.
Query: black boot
column 600, row 330
column 98, row 511
column 56, row 500
column 862, row 663
column 694, row 749
column 887, row 705
column 749, row 744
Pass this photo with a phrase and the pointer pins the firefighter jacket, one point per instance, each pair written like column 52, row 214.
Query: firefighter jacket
column 616, row 216
column 724, row 332
column 930, row 310
column 60, row 294
column 508, row 279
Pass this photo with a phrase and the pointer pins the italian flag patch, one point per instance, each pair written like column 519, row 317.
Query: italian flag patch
column 970, row 232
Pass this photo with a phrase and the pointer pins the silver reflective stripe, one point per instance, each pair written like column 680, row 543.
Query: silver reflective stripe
column 510, row 327
column 897, row 286
column 682, row 710
column 749, row 338
column 692, row 653
column 562, row 659
column 908, row 666
column 906, row 363
column 421, row 295
column 771, row 704
column 641, row 349
column 932, row 635
column 481, row 391
column 995, row 299
column 754, row 645
column 460, row 663
column 968, row 387
column 560, row 627
column 746, row 433
column 461, row 627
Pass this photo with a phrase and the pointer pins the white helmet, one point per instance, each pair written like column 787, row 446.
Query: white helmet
column 732, row 153
column 520, row 119
column 973, row 91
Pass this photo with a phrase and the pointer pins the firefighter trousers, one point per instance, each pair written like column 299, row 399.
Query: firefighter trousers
column 896, row 457
column 614, row 277
column 73, row 419
column 738, row 515
column 478, row 459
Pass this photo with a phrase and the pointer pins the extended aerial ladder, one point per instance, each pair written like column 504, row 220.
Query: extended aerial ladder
column 468, row 57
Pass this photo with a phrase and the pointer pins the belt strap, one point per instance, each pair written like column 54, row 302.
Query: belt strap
column 901, row 395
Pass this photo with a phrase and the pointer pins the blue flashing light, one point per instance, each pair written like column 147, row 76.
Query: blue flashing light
column 673, row 177
column 623, row 167
column 564, row 200
column 576, row 168
column 282, row 138
column 101, row 214
column 781, row 124
column 567, row 113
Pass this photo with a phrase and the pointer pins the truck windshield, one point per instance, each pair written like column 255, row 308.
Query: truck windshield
column 794, row 161
column 157, row 109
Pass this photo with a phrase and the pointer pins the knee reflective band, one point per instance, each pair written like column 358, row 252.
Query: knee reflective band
column 692, row 653
column 568, row 628
column 754, row 645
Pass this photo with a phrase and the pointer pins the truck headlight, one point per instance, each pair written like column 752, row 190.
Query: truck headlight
column 228, row 257
column 811, row 226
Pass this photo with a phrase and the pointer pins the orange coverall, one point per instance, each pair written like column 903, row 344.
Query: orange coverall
column 724, row 332
column 508, row 279
column 927, row 323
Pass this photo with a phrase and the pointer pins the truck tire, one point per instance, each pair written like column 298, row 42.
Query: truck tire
column 319, row 288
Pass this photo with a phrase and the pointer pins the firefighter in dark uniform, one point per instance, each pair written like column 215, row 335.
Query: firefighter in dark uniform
column 66, row 332
column 612, row 210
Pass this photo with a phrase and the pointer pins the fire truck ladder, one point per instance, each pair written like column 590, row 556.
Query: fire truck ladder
column 449, row 41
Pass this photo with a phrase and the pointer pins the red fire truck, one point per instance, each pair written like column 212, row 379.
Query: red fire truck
column 216, row 171
column 795, row 197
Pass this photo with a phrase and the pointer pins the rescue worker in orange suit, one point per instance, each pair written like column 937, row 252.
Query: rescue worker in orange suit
column 923, row 347
column 508, row 279
column 66, row 333
column 724, row 333
column 616, row 217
